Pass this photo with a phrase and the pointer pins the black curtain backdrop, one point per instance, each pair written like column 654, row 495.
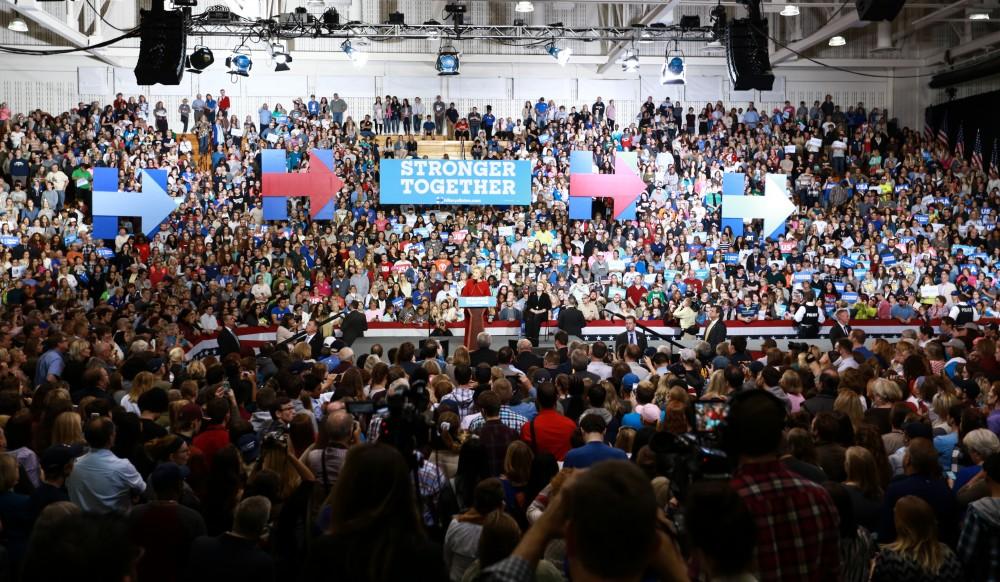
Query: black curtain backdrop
column 971, row 113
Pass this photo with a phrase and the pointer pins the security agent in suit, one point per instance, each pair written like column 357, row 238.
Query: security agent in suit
column 354, row 325
column 631, row 336
column 715, row 328
column 571, row 319
column 841, row 327
column 229, row 342
column 314, row 337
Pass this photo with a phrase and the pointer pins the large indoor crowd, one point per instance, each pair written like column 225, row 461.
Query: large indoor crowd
column 852, row 459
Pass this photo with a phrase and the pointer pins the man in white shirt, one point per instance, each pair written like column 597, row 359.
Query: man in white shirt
column 208, row 321
column 101, row 482
column 597, row 365
column 846, row 360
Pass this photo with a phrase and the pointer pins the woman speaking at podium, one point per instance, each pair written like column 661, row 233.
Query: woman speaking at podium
column 475, row 317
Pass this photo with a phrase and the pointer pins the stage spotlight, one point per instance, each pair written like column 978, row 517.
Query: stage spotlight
column 357, row 56
column 280, row 57
column 561, row 55
column 630, row 63
column 790, row 10
column 200, row 59
column 524, row 7
column 674, row 71
column 447, row 61
column 239, row 64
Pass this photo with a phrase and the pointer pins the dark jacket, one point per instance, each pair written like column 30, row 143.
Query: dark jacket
column 228, row 342
column 354, row 326
column 572, row 321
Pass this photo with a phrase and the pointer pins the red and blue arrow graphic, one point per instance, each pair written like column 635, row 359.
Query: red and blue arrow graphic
column 320, row 184
column 624, row 186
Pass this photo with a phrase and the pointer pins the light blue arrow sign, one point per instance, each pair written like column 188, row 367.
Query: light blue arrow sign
column 153, row 205
column 774, row 207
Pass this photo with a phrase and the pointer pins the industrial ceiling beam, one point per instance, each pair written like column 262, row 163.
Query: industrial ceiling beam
column 981, row 43
column 925, row 21
column 832, row 28
column 34, row 12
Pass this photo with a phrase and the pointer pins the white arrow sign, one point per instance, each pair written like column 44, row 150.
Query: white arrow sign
column 774, row 206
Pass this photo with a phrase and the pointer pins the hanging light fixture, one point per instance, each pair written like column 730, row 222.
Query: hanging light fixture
column 239, row 64
column 447, row 64
column 200, row 59
column 357, row 56
column 674, row 71
column 838, row 41
column 561, row 55
column 789, row 10
column 524, row 7
column 17, row 25
column 280, row 57
column 630, row 62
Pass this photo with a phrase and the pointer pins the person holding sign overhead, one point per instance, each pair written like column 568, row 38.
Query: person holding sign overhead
column 475, row 318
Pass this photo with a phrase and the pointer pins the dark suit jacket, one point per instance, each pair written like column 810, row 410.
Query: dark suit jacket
column 354, row 326
column 486, row 356
column 316, row 345
column 836, row 334
column 572, row 321
column 640, row 340
column 218, row 558
column 525, row 360
column 228, row 342
column 718, row 334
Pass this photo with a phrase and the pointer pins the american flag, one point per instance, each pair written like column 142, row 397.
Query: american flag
column 993, row 159
column 929, row 126
column 942, row 135
column 960, row 143
column 977, row 153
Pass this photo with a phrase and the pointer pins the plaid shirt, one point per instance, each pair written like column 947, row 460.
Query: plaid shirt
column 798, row 535
column 507, row 416
column 979, row 544
column 512, row 569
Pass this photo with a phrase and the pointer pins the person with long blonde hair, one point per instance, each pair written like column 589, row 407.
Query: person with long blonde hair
column 67, row 429
column 916, row 554
column 142, row 383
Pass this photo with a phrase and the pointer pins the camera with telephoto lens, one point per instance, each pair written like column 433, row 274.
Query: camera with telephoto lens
column 407, row 425
column 798, row 346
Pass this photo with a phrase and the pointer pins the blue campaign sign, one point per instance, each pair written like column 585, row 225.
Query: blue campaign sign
column 802, row 276
column 10, row 241
column 922, row 218
column 847, row 263
column 888, row 259
column 850, row 297
column 105, row 253
column 153, row 205
column 701, row 274
column 453, row 182
column 731, row 258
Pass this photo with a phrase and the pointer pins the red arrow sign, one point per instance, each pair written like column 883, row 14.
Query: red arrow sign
column 319, row 184
column 624, row 186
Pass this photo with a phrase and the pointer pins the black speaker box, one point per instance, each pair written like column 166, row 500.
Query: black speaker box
column 746, row 56
column 162, row 48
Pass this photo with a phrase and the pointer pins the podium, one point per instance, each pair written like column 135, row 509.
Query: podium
column 475, row 316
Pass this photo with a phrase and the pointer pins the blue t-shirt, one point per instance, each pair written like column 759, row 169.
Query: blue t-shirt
column 592, row 453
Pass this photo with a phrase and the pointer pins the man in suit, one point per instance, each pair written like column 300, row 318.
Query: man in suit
column 229, row 342
column 571, row 319
column 354, row 325
column 235, row 552
column 526, row 358
column 840, row 328
column 715, row 330
column 314, row 337
column 483, row 354
column 631, row 336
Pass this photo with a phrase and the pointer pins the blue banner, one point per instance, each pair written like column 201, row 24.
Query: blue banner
column 847, row 263
column 888, row 259
column 922, row 218
column 105, row 253
column 731, row 258
column 850, row 297
column 472, row 182
column 10, row 241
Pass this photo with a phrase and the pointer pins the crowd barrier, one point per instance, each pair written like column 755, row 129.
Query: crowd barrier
column 255, row 337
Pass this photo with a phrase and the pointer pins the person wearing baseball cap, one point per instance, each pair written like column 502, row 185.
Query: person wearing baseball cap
column 56, row 463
